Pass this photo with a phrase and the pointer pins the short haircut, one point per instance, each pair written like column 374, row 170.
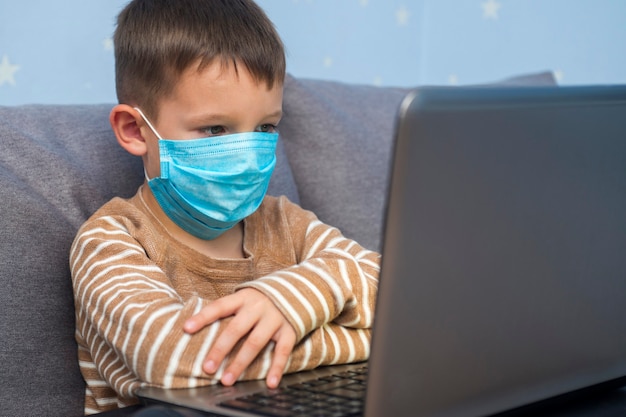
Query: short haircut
column 157, row 40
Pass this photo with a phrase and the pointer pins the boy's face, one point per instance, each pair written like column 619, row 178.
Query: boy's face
column 215, row 101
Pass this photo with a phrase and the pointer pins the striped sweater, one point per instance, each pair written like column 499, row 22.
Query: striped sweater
column 134, row 286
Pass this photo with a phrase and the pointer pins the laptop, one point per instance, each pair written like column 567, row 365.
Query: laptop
column 503, row 278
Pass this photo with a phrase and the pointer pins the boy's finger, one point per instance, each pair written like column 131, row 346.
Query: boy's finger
column 226, row 341
column 256, row 341
column 282, row 350
column 208, row 315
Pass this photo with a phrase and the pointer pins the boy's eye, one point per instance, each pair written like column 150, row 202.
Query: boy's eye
column 267, row 128
column 214, row 130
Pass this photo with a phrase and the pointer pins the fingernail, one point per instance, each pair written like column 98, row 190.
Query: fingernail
column 228, row 379
column 210, row 367
column 272, row 382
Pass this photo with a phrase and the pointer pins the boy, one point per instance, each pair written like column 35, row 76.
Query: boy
column 200, row 278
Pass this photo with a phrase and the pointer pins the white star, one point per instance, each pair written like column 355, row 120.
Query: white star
column 490, row 9
column 402, row 16
column 378, row 81
column 107, row 44
column 453, row 79
column 7, row 70
column 558, row 75
column 328, row 62
column 364, row 3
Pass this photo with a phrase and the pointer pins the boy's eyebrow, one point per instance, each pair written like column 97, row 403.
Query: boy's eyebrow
column 278, row 114
column 223, row 117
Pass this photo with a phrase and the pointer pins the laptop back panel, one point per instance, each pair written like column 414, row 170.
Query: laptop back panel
column 504, row 261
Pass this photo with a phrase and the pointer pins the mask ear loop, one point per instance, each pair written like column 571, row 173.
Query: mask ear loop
column 145, row 119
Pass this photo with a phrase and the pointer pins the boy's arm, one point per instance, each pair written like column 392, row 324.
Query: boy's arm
column 130, row 321
column 334, row 282
column 326, row 301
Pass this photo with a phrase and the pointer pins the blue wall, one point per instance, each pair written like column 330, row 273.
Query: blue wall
column 60, row 52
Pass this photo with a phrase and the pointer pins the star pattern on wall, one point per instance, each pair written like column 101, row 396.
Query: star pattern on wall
column 402, row 16
column 414, row 53
column 558, row 75
column 107, row 44
column 7, row 71
column 491, row 9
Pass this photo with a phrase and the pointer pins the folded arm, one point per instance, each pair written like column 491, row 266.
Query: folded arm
column 131, row 322
column 334, row 281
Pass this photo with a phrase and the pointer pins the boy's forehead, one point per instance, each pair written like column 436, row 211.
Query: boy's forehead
column 219, row 88
column 222, row 75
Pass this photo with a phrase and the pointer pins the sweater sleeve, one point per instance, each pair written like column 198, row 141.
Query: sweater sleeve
column 334, row 282
column 128, row 317
column 129, row 320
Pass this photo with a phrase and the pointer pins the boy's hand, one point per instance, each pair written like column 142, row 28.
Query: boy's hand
column 256, row 319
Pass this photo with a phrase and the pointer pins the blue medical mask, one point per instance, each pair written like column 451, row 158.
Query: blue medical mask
column 209, row 185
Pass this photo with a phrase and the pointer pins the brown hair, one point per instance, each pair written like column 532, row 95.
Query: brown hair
column 157, row 40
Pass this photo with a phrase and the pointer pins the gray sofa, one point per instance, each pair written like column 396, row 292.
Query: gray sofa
column 58, row 164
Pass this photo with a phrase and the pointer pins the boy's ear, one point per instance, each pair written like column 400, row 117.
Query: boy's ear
column 126, row 122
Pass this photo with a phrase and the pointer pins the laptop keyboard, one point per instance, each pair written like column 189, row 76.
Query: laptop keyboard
column 338, row 395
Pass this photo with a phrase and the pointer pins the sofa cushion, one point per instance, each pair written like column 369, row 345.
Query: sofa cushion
column 57, row 166
column 338, row 138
